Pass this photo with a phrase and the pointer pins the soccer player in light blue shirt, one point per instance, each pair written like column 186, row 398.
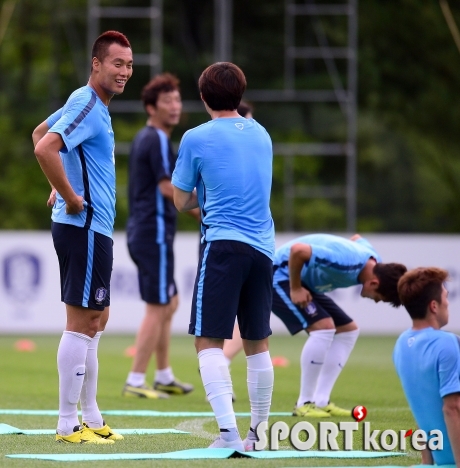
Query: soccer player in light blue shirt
column 238, row 209
column 225, row 168
column 329, row 262
column 427, row 361
column 88, row 158
column 304, row 270
column 75, row 149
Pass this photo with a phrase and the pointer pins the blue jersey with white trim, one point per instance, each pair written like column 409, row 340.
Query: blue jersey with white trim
column 151, row 160
column 229, row 161
column 88, row 159
column 335, row 262
column 428, row 364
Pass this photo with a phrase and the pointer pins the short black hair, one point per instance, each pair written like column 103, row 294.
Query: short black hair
column 388, row 275
column 222, row 86
column 101, row 45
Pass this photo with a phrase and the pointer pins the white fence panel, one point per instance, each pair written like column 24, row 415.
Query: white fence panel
column 30, row 293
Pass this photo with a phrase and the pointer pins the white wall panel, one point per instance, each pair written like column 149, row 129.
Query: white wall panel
column 30, row 294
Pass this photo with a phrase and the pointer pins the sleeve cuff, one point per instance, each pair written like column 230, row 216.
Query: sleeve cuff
column 181, row 185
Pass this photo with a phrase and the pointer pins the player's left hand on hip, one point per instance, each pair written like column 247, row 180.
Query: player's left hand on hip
column 75, row 205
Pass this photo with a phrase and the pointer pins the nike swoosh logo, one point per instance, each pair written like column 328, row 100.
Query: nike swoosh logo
column 319, row 363
column 80, row 374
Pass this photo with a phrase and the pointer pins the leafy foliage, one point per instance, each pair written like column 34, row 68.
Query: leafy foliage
column 408, row 169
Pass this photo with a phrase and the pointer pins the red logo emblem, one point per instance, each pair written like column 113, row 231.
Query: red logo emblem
column 359, row 413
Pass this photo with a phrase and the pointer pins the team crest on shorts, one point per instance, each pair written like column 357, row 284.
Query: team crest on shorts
column 100, row 295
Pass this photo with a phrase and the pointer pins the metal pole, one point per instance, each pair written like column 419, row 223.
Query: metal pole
column 93, row 27
column 352, row 118
column 289, row 192
column 54, row 70
column 223, row 26
column 156, row 37
column 289, row 33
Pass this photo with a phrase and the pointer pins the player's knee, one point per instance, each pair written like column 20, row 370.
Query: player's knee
column 323, row 324
column 174, row 303
column 93, row 325
column 352, row 326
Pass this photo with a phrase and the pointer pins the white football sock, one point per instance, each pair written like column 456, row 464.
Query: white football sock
column 90, row 413
column 336, row 358
column 218, row 386
column 260, row 386
column 312, row 359
column 164, row 376
column 71, row 358
column 136, row 379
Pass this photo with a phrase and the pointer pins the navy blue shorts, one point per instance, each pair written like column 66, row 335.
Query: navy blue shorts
column 155, row 265
column 296, row 318
column 233, row 280
column 85, row 265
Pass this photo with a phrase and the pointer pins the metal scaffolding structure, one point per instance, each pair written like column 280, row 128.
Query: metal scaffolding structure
column 153, row 59
column 342, row 94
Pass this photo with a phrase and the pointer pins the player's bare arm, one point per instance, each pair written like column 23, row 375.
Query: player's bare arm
column 167, row 190
column 355, row 237
column 47, row 153
column 37, row 135
column 39, row 132
column 185, row 201
column 451, row 410
column 195, row 213
column 300, row 253
column 427, row 457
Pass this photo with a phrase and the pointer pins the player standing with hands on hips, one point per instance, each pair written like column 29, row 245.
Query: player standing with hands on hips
column 225, row 168
column 75, row 149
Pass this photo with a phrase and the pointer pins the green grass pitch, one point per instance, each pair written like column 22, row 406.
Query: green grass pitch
column 28, row 380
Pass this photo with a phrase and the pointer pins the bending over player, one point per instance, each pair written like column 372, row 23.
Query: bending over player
column 306, row 268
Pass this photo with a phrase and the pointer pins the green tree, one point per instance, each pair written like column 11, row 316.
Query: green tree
column 408, row 169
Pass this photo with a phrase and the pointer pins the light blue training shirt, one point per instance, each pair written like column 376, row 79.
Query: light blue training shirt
column 335, row 262
column 428, row 364
column 88, row 158
column 229, row 162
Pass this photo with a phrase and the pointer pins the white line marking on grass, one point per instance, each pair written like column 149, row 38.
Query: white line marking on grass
column 195, row 426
